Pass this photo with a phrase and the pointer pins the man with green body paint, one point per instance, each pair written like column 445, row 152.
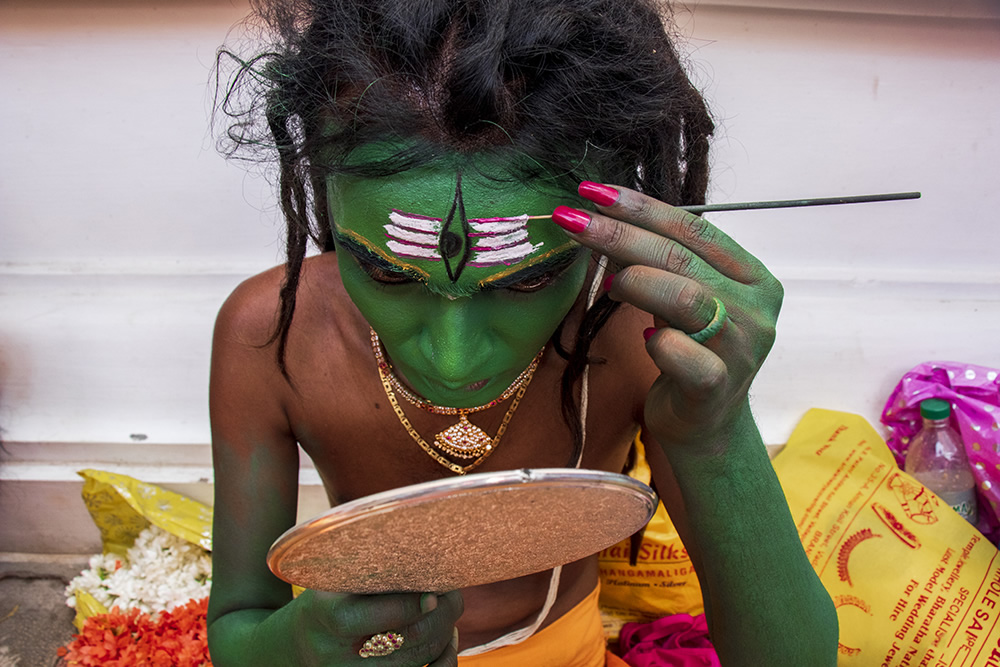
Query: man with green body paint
column 421, row 254
column 461, row 343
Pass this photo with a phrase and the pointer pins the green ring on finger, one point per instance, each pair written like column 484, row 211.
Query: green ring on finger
column 713, row 327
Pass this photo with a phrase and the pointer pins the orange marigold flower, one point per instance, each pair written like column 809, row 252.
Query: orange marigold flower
column 177, row 638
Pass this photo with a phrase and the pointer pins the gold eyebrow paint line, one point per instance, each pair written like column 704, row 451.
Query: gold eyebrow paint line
column 379, row 252
column 526, row 264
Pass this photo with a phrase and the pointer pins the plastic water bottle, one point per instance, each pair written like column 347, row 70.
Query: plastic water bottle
column 936, row 458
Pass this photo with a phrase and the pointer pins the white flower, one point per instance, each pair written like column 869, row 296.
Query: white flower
column 7, row 659
column 160, row 571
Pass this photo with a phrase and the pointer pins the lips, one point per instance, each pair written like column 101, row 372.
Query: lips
column 447, row 386
column 476, row 386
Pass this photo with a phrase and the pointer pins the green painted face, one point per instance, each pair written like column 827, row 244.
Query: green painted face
column 462, row 286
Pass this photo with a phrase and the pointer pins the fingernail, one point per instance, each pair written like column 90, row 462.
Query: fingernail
column 572, row 220
column 602, row 195
column 607, row 282
column 648, row 333
column 454, row 639
column 428, row 603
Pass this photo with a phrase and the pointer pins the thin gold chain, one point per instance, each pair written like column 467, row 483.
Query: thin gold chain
column 454, row 467
column 424, row 404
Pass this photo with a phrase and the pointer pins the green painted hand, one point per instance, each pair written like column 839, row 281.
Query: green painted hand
column 331, row 629
column 676, row 266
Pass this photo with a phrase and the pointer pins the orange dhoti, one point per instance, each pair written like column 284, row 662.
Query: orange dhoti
column 574, row 640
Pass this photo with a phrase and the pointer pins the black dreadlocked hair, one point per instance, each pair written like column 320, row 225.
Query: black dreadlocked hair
column 559, row 90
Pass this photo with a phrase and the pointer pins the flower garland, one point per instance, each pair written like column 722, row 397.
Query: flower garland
column 158, row 597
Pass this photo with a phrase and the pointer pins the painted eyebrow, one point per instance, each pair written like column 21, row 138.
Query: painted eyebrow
column 557, row 260
column 359, row 247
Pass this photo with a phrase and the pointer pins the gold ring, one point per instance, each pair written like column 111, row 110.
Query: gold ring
column 713, row 327
column 381, row 644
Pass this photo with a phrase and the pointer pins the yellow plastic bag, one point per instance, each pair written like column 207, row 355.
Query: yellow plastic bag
column 86, row 606
column 661, row 583
column 913, row 583
column 122, row 507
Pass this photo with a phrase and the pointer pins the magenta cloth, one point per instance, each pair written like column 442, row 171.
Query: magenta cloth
column 974, row 394
column 674, row 641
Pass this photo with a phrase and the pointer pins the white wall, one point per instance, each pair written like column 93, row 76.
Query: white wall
column 121, row 230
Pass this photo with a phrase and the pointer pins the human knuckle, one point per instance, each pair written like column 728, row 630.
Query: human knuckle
column 711, row 376
column 643, row 208
column 664, row 343
column 777, row 293
column 676, row 259
column 699, row 234
column 629, row 278
column 615, row 237
column 767, row 335
column 689, row 296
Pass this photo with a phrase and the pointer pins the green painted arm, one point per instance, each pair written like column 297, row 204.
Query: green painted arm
column 764, row 602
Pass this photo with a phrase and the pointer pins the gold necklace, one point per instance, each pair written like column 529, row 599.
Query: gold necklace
column 463, row 440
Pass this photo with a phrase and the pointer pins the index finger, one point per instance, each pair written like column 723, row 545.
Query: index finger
column 617, row 205
column 356, row 615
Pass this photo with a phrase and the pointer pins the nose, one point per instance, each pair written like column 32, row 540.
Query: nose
column 457, row 340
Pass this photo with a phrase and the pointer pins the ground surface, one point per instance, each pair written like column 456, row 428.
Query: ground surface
column 34, row 618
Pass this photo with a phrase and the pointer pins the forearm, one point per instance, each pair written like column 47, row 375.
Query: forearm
column 765, row 604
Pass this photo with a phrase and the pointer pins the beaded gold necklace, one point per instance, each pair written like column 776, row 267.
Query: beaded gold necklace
column 462, row 440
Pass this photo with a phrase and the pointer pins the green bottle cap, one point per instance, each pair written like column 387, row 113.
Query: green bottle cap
column 934, row 408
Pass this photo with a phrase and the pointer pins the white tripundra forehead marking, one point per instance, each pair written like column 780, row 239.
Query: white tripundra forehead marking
column 416, row 222
column 414, row 236
column 496, row 241
column 497, row 225
column 500, row 241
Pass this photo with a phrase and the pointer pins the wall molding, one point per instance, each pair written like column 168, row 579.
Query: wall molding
column 951, row 9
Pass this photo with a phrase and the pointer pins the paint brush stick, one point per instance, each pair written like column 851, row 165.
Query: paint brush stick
column 786, row 203
column 791, row 203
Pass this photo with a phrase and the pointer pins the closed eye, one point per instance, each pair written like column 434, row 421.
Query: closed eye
column 374, row 266
column 537, row 277
column 383, row 275
column 535, row 283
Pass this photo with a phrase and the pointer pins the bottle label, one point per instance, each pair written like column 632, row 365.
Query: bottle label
column 963, row 502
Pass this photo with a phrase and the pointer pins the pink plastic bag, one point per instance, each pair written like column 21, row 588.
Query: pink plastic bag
column 673, row 641
column 974, row 394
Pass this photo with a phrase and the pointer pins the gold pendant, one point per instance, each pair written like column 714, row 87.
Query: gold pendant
column 464, row 440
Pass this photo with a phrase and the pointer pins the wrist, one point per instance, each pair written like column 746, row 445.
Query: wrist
column 728, row 438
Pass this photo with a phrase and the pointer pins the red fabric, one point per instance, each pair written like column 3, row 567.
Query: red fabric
column 674, row 641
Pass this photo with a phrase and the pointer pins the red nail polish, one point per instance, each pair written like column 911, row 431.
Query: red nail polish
column 648, row 333
column 570, row 219
column 607, row 282
column 602, row 195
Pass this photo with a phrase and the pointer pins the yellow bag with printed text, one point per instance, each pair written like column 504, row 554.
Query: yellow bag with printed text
column 660, row 582
column 913, row 583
